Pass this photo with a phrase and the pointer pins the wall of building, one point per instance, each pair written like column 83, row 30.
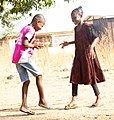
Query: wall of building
column 104, row 26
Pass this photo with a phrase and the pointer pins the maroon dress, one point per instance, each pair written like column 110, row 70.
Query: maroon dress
column 85, row 70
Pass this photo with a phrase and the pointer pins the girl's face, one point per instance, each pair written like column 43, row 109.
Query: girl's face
column 76, row 18
column 38, row 25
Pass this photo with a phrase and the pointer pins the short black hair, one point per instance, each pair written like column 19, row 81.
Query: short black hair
column 38, row 18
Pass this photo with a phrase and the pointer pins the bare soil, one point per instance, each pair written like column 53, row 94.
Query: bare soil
column 58, row 94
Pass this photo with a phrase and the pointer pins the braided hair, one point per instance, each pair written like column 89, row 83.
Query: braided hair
column 78, row 10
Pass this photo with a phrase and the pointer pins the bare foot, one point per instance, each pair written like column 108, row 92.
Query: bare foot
column 43, row 104
column 27, row 110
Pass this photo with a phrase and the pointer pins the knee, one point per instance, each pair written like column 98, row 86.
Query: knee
column 27, row 82
column 39, row 77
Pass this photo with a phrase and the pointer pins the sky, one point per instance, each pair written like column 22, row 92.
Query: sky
column 59, row 19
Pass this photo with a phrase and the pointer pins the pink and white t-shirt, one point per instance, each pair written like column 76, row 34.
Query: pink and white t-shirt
column 21, row 53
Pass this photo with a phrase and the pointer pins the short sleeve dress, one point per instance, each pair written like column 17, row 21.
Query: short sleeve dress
column 84, row 69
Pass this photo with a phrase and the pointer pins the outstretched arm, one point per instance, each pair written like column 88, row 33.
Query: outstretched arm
column 66, row 43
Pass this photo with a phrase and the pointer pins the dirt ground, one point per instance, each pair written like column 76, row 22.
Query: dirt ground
column 58, row 94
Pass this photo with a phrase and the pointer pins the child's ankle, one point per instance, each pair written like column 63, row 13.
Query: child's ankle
column 98, row 97
column 74, row 98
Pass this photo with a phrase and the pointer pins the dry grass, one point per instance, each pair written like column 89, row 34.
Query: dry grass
column 105, row 51
column 5, row 59
column 60, row 60
column 55, row 59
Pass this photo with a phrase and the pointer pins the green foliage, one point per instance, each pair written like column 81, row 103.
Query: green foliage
column 11, row 10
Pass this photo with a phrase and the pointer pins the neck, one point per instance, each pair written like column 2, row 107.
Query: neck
column 31, row 25
column 79, row 26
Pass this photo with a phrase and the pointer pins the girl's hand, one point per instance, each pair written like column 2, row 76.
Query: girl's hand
column 92, row 53
column 65, row 43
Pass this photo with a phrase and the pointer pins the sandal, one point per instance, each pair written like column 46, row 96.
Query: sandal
column 69, row 106
column 27, row 110
column 94, row 105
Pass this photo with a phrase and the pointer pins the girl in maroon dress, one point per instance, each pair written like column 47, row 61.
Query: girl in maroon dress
column 86, row 68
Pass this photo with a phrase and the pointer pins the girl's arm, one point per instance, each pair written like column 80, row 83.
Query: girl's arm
column 67, row 43
column 92, row 52
column 94, row 42
column 94, row 39
column 72, row 42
